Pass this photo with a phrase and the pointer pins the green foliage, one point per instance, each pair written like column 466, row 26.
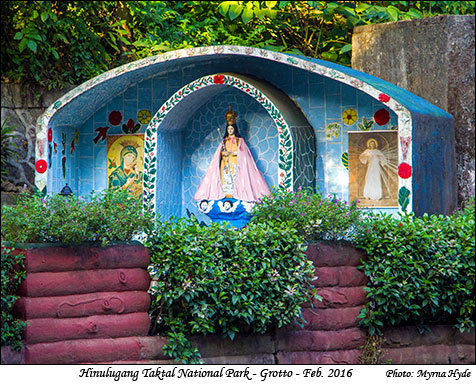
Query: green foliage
column 421, row 269
column 323, row 29
column 108, row 216
column 51, row 43
column 8, row 147
column 221, row 280
column 179, row 347
column 313, row 216
column 13, row 272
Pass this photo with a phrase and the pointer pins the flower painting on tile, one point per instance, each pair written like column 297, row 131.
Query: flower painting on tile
column 332, row 130
column 125, row 154
column 349, row 116
column 373, row 167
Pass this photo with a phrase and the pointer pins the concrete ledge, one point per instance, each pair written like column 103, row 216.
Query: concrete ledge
column 12, row 357
column 407, row 336
column 431, row 354
column 298, row 341
column 255, row 359
column 347, row 357
column 328, row 319
column 217, row 346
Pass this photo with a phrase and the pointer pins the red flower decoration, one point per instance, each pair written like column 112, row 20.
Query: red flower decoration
column 115, row 118
column 383, row 98
column 382, row 117
column 50, row 135
column 41, row 166
column 130, row 124
column 219, row 79
column 404, row 170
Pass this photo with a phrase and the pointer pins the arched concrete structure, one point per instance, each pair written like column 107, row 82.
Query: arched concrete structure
column 322, row 90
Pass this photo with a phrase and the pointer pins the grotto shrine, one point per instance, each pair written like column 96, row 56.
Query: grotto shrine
column 208, row 131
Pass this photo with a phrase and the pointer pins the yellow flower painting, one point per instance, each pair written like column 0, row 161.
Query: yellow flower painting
column 349, row 116
column 144, row 116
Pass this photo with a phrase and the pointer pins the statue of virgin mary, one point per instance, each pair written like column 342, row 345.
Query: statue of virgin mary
column 232, row 175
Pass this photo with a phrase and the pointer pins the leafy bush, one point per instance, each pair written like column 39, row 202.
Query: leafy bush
column 52, row 43
column 13, row 271
column 421, row 269
column 108, row 216
column 221, row 280
column 313, row 216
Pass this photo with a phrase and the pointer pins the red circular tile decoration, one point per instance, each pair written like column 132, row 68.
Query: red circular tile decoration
column 382, row 117
column 41, row 166
column 404, row 170
column 115, row 118
column 383, row 98
column 218, row 79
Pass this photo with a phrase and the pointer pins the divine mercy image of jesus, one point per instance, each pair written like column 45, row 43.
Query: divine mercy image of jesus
column 373, row 168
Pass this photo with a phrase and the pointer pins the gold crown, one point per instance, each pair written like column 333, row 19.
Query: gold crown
column 126, row 143
column 230, row 116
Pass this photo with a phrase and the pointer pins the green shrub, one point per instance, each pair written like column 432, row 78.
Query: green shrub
column 108, row 216
column 421, row 269
column 313, row 216
column 13, row 271
column 221, row 280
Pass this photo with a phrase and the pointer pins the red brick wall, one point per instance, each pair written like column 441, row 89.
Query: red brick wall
column 83, row 304
column 89, row 305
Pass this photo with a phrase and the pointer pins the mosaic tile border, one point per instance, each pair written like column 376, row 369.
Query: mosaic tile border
column 285, row 147
column 404, row 115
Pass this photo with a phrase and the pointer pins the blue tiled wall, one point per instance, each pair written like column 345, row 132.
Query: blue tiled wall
column 321, row 100
column 169, row 173
column 56, row 180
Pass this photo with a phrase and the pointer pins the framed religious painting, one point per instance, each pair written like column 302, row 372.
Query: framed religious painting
column 373, row 165
column 125, row 163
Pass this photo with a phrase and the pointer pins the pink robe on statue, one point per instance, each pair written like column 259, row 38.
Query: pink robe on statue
column 249, row 186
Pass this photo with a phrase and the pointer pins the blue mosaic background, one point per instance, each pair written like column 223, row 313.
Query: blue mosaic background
column 321, row 100
column 202, row 139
